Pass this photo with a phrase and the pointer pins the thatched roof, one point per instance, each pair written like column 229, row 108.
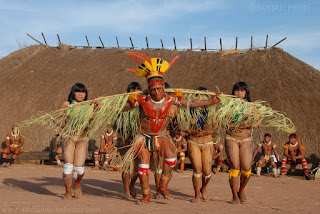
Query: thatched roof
column 38, row 79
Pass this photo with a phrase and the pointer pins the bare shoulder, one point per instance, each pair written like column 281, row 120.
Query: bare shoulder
column 64, row 104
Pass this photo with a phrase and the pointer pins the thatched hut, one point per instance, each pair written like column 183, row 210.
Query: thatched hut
column 39, row 78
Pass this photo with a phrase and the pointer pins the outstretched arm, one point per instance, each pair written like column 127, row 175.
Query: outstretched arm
column 198, row 103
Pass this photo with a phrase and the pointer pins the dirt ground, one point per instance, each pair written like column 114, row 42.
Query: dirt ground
column 31, row 188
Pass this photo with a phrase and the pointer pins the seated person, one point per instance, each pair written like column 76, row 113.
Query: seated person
column 107, row 146
column 266, row 147
column 57, row 150
column 181, row 146
column 294, row 153
column 14, row 143
column 217, row 151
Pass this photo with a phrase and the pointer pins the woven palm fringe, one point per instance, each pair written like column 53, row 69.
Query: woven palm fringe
column 128, row 163
column 83, row 120
column 236, row 112
column 115, row 159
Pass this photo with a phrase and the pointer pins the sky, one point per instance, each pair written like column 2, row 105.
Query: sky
column 298, row 20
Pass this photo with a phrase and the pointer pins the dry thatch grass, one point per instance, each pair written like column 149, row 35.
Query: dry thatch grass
column 64, row 47
column 41, row 81
column 232, row 51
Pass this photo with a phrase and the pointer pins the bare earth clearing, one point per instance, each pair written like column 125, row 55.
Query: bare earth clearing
column 33, row 188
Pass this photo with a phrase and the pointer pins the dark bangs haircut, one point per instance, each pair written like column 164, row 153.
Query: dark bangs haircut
column 201, row 89
column 244, row 86
column 76, row 88
column 133, row 85
column 267, row 135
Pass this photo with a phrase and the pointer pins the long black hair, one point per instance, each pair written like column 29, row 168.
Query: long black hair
column 76, row 88
column 201, row 120
column 133, row 85
column 244, row 86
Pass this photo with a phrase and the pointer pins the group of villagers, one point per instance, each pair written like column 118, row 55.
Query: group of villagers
column 143, row 119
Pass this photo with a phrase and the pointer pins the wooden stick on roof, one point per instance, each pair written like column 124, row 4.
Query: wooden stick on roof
column 117, row 42
column 236, row 43
column 279, row 42
column 266, row 42
column 147, row 42
column 101, row 41
column 35, row 39
column 131, row 42
column 44, row 39
column 88, row 42
column 59, row 42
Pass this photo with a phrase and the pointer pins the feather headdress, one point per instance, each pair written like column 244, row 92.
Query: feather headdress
column 150, row 68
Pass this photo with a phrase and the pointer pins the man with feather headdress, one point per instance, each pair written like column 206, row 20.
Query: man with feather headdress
column 156, row 111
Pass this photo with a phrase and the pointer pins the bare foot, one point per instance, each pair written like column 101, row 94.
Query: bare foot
column 67, row 196
column 78, row 193
column 143, row 201
column 127, row 197
column 242, row 197
column 96, row 167
column 158, row 196
column 204, row 195
column 167, row 195
column 196, row 200
column 235, row 201
column 133, row 193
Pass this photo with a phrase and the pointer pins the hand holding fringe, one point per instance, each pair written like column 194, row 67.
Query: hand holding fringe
column 133, row 98
column 178, row 94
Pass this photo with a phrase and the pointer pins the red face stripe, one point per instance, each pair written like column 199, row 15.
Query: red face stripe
column 240, row 89
column 153, row 82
